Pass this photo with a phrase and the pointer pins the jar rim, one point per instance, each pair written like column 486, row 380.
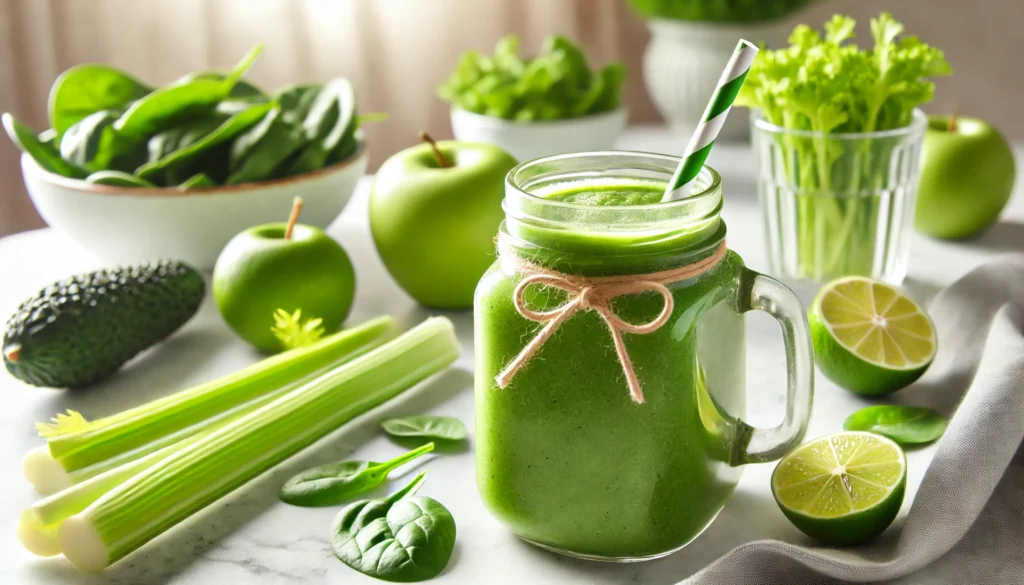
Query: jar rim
column 630, row 237
column 713, row 189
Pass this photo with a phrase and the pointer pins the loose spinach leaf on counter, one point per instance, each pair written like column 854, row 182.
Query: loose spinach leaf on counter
column 334, row 483
column 86, row 89
column 93, row 144
column 402, row 538
column 907, row 425
column 227, row 130
column 171, row 104
column 446, row 428
column 45, row 153
column 117, row 179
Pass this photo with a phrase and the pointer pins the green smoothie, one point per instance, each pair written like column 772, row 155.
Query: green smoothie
column 564, row 457
column 613, row 194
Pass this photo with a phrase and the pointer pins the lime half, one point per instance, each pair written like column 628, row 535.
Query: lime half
column 869, row 337
column 842, row 489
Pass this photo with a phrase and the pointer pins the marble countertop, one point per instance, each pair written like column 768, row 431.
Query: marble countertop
column 250, row 537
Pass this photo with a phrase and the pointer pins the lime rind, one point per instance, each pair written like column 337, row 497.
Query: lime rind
column 870, row 338
column 844, row 488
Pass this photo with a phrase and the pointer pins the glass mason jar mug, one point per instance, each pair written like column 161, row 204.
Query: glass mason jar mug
column 610, row 361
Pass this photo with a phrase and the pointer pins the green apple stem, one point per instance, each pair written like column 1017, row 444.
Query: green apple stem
column 952, row 122
column 294, row 217
column 441, row 158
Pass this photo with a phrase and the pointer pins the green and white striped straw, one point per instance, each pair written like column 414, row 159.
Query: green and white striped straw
column 711, row 123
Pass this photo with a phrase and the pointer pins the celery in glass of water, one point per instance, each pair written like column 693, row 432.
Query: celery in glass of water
column 837, row 135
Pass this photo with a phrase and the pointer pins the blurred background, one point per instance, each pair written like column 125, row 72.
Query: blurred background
column 396, row 52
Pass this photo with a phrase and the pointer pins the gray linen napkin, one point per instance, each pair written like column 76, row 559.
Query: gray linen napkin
column 966, row 524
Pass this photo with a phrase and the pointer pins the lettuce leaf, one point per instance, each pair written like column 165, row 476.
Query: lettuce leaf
column 557, row 83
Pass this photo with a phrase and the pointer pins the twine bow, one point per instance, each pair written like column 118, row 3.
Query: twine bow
column 596, row 294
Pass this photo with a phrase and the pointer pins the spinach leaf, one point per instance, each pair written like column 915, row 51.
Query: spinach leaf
column 907, row 425
column 93, row 144
column 44, row 153
column 401, row 538
column 329, row 123
column 86, row 89
column 243, row 90
column 295, row 101
column 171, row 104
column 260, row 151
column 197, row 181
column 190, row 148
column 437, row 427
column 331, row 484
column 344, row 150
column 162, row 144
column 49, row 136
column 117, row 179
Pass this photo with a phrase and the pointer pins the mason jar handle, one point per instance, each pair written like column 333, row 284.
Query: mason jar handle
column 763, row 293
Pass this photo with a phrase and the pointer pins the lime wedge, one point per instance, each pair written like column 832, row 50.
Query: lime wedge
column 842, row 489
column 869, row 337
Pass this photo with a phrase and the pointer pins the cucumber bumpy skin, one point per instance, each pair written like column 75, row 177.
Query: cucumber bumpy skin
column 80, row 330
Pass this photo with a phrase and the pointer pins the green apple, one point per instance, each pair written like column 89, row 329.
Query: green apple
column 434, row 212
column 967, row 177
column 261, row 270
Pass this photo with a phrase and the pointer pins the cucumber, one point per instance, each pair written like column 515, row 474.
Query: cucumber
column 81, row 330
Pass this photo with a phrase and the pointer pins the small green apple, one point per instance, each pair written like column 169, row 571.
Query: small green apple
column 434, row 212
column 967, row 176
column 261, row 270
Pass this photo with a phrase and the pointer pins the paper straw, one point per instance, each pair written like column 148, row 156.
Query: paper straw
column 711, row 123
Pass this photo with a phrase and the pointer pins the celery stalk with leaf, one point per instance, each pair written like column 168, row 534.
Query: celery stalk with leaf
column 78, row 449
column 822, row 92
column 157, row 498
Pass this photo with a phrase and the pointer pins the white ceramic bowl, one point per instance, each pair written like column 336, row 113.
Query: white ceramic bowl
column 125, row 225
column 529, row 140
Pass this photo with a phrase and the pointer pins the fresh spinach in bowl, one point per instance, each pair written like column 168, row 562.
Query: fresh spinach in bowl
column 556, row 84
column 205, row 129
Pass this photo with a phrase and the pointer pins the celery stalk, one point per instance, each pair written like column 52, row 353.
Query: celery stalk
column 37, row 539
column 65, row 503
column 79, row 475
column 107, row 437
column 85, row 491
column 158, row 498
column 49, row 476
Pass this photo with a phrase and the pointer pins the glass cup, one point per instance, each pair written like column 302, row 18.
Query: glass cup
column 610, row 362
column 838, row 204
